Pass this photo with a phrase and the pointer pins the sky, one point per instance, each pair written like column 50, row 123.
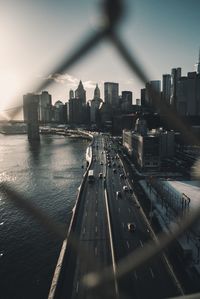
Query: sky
column 35, row 35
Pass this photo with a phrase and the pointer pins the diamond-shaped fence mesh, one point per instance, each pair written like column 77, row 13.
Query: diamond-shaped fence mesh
column 113, row 11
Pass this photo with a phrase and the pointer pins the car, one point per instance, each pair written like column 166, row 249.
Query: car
column 118, row 194
column 100, row 175
column 109, row 165
column 125, row 188
column 121, row 176
column 114, row 164
column 131, row 227
column 114, row 170
column 101, row 163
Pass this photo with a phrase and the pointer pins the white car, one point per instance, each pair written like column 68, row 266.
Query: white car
column 125, row 188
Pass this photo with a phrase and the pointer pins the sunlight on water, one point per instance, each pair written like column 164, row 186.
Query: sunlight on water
column 4, row 177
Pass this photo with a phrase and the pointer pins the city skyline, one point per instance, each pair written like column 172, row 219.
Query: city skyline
column 35, row 26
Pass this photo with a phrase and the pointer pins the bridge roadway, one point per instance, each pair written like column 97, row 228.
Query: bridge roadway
column 152, row 281
column 91, row 231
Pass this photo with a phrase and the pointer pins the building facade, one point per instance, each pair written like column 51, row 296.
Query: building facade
column 111, row 94
column 30, row 109
column 45, row 105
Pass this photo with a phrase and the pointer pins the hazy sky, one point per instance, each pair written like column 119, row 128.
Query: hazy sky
column 36, row 34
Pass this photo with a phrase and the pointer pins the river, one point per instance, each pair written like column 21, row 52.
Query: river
column 47, row 174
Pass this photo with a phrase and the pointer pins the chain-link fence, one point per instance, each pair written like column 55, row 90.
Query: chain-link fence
column 113, row 11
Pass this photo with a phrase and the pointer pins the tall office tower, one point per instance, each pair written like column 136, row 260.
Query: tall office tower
column 97, row 92
column 75, row 111
column 166, row 94
column 126, row 101
column 176, row 75
column 197, row 65
column 71, row 94
column 30, row 108
column 153, row 90
column 45, row 104
column 111, row 94
column 95, row 104
column 143, row 96
column 80, row 93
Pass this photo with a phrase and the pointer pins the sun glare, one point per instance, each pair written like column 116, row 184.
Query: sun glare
column 10, row 86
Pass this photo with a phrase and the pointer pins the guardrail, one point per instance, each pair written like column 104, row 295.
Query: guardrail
column 65, row 252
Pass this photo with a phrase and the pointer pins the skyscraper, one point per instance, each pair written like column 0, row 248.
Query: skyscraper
column 126, row 101
column 97, row 92
column 30, row 108
column 197, row 65
column 45, row 104
column 166, row 88
column 95, row 104
column 111, row 94
column 176, row 75
column 71, row 94
column 80, row 93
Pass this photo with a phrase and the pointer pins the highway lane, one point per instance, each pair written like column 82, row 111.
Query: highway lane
column 92, row 234
column 154, row 280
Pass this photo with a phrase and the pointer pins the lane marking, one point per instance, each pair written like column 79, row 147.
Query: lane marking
column 86, row 214
column 151, row 271
column 129, row 210
column 96, row 229
column 96, row 213
column 77, row 287
column 135, row 275
column 95, row 251
column 123, row 224
column 141, row 243
column 127, row 243
column 84, row 230
column 119, row 210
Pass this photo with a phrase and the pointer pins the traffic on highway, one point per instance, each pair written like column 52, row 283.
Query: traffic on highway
column 110, row 225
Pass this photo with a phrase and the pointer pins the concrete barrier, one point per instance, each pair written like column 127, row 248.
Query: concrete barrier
column 66, row 249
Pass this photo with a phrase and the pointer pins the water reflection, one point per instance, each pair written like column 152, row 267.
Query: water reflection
column 34, row 147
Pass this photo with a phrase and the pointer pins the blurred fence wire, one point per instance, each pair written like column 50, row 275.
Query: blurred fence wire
column 113, row 12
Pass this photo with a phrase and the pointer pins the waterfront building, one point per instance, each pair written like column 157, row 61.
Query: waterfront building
column 30, row 109
column 59, row 112
column 44, row 108
column 75, row 111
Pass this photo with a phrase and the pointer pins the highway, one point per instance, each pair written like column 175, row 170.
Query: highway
column 91, row 231
column 154, row 280
column 93, row 236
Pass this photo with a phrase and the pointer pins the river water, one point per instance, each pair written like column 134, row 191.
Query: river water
column 47, row 174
